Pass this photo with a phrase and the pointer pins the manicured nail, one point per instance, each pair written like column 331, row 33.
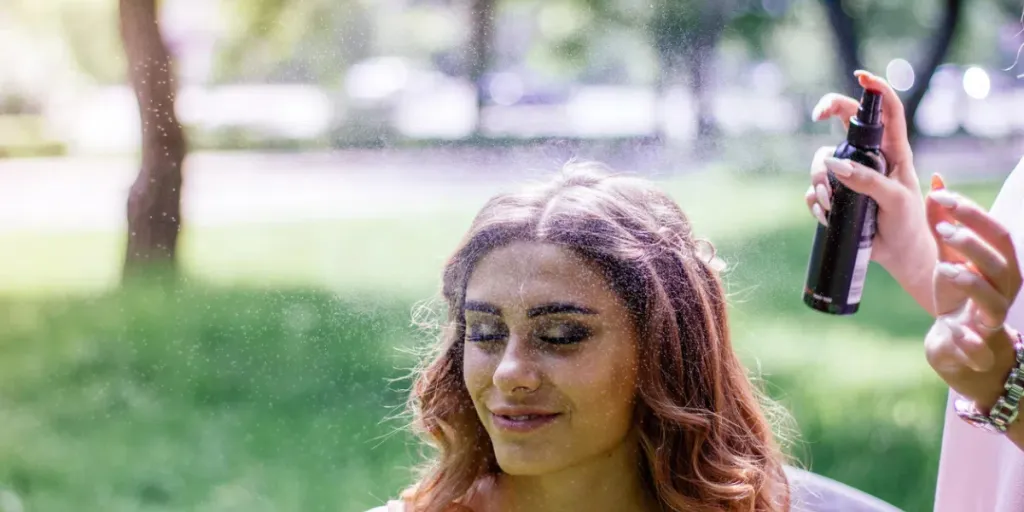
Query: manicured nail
column 945, row 198
column 839, row 167
column 819, row 109
column 818, row 214
column 954, row 326
column 947, row 269
column 945, row 229
column 823, row 198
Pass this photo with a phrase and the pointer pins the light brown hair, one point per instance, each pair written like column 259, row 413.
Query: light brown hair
column 705, row 437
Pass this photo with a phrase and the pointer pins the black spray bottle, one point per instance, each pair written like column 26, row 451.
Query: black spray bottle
column 841, row 251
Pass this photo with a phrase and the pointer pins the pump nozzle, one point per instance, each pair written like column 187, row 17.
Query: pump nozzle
column 870, row 110
column 866, row 127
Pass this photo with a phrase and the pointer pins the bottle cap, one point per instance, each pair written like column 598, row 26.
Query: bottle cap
column 866, row 127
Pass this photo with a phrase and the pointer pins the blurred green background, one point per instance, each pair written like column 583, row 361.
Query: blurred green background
column 336, row 153
column 264, row 382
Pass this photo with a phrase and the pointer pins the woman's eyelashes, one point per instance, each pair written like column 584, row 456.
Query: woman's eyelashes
column 481, row 331
column 555, row 334
column 564, row 334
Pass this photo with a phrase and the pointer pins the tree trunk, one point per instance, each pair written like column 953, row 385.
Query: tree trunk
column 698, row 64
column 480, row 43
column 845, row 31
column 699, row 58
column 847, row 40
column 683, row 41
column 938, row 49
column 154, row 202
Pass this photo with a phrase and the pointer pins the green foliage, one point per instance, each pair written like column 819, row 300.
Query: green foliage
column 276, row 40
column 264, row 391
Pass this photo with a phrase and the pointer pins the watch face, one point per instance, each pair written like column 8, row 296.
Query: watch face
column 966, row 411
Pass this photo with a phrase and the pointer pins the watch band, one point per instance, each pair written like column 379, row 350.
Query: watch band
column 1006, row 409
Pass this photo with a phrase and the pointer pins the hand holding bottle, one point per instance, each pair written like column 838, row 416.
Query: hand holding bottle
column 902, row 244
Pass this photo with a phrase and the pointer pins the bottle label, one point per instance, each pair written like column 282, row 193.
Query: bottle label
column 860, row 274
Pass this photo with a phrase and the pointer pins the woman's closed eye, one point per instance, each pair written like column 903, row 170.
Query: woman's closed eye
column 564, row 334
column 484, row 331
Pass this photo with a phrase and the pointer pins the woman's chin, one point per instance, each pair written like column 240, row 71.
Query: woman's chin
column 517, row 461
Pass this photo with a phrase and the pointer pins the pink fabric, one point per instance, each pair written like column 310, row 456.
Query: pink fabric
column 979, row 471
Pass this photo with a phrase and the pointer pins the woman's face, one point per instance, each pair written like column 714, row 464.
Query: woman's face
column 550, row 359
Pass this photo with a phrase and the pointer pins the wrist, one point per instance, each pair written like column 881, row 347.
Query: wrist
column 1005, row 357
column 915, row 274
column 993, row 402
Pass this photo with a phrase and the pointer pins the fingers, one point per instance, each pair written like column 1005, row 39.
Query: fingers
column 863, row 180
column 972, row 349
column 936, row 214
column 983, row 257
column 814, row 205
column 991, row 304
column 819, row 193
column 981, row 239
column 835, row 105
column 819, row 172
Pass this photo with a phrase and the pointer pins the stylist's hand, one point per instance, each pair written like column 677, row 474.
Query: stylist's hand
column 902, row 245
column 976, row 279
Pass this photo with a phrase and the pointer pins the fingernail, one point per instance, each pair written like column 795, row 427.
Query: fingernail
column 818, row 214
column 823, row 198
column 839, row 167
column 945, row 229
column 947, row 269
column 818, row 110
column 945, row 198
column 955, row 330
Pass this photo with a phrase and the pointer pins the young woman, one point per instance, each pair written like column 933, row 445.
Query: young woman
column 587, row 364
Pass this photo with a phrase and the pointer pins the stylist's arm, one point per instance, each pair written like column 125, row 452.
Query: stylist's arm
column 976, row 279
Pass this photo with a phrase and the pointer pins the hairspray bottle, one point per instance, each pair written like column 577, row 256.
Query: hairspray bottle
column 841, row 251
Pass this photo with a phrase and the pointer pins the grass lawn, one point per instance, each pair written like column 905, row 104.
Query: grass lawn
column 262, row 384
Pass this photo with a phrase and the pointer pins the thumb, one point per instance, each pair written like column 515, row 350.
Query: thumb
column 863, row 180
column 949, row 298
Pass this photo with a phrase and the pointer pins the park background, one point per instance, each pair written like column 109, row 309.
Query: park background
column 238, row 338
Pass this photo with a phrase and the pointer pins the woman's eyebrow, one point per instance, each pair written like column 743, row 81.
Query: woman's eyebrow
column 555, row 308
column 482, row 307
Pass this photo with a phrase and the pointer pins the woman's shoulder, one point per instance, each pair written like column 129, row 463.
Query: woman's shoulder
column 399, row 506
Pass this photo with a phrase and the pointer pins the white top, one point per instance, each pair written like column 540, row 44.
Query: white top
column 981, row 471
column 392, row 506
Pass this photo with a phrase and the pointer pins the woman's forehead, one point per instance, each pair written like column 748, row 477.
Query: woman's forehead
column 531, row 272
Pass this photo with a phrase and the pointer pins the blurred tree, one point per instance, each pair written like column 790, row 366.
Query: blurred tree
column 686, row 34
column 894, row 17
column 481, row 41
column 285, row 41
column 79, row 36
column 154, row 202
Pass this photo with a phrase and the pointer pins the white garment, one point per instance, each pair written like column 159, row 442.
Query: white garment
column 980, row 471
column 392, row 506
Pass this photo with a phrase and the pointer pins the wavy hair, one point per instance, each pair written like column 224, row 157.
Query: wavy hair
column 705, row 437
